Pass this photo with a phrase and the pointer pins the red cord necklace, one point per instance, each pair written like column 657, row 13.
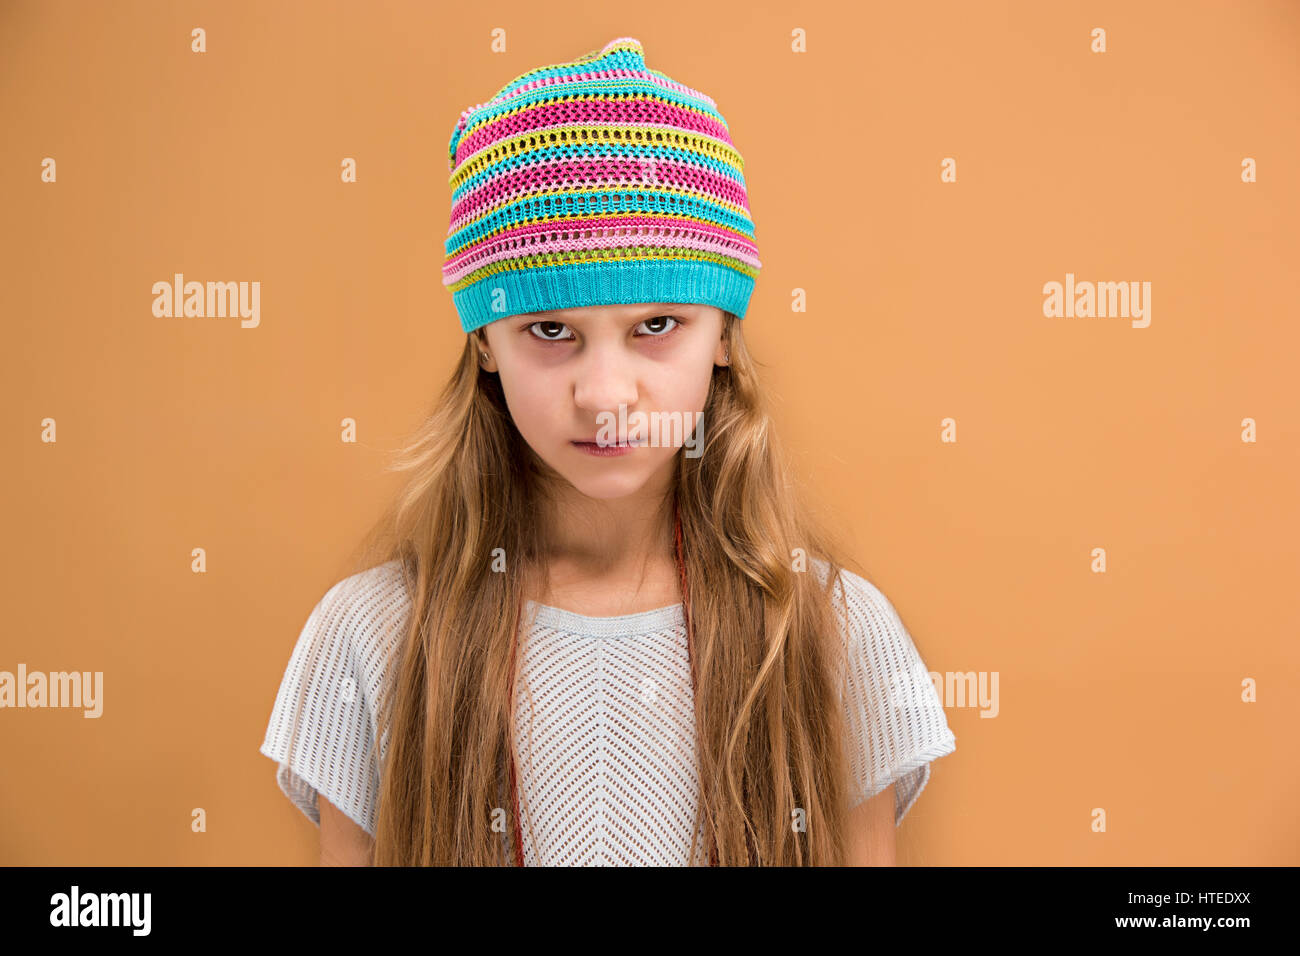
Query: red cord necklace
column 686, row 606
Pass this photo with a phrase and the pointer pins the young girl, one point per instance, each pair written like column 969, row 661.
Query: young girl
column 585, row 634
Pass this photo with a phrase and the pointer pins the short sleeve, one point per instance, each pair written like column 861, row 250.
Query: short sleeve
column 322, row 727
column 895, row 724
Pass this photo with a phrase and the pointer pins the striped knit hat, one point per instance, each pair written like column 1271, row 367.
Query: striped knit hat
column 596, row 182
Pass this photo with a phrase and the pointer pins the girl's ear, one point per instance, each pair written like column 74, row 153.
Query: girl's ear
column 479, row 341
column 722, row 356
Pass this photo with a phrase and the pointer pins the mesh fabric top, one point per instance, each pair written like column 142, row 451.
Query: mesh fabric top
column 605, row 717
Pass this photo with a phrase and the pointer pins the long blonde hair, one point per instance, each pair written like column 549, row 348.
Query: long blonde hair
column 766, row 638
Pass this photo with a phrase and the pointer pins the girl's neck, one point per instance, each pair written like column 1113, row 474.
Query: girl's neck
column 606, row 557
column 619, row 537
column 610, row 592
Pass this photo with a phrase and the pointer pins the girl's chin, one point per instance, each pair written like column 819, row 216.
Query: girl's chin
column 601, row 481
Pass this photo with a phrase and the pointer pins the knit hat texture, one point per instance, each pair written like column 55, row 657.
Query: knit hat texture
column 596, row 182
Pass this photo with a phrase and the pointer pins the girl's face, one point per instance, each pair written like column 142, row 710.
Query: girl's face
column 566, row 374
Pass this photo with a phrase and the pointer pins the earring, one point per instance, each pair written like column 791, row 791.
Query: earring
column 485, row 356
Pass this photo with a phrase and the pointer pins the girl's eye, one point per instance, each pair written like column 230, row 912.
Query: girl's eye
column 658, row 319
column 551, row 330
column 552, row 326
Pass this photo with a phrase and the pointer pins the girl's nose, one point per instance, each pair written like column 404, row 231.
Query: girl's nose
column 605, row 381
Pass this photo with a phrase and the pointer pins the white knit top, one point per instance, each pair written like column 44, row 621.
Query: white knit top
column 607, row 771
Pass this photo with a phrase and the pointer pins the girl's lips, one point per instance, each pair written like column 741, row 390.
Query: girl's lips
column 593, row 448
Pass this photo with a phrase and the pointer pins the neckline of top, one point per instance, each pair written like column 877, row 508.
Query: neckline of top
column 622, row 625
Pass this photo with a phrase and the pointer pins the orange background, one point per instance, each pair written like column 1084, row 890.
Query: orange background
column 1119, row 690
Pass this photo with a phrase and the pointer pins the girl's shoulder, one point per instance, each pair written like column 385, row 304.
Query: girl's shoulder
column 373, row 596
column 863, row 606
column 362, row 617
column 879, row 651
